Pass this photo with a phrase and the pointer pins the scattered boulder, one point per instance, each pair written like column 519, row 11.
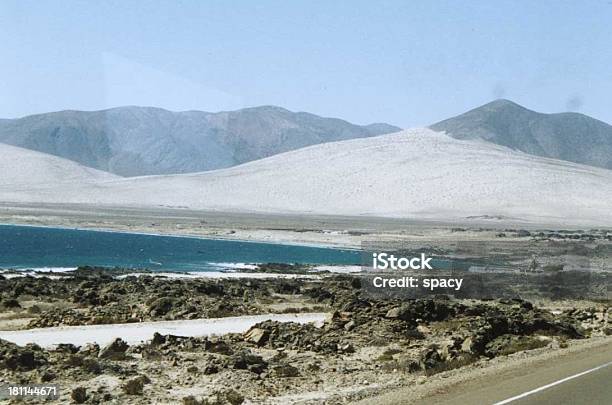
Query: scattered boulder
column 218, row 345
column 395, row 313
column 508, row 344
column 430, row 358
column 213, row 365
column 11, row 303
column 246, row 360
column 257, row 336
column 233, row 397
column 161, row 306
column 450, row 348
column 17, row 358
column 67, row 348
column 226, row 397
column 79, row 395
column 158, row 339
column 47, row 376
column 211, row 369
column 114, row 350
column 134, row 386
column 468, row 345
column 90, row 349
column 285, row 370
column 91, row 365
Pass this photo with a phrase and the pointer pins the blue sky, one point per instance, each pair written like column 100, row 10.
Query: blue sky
column 408, row 63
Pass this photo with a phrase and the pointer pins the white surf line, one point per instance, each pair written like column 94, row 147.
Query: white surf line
column 221, row 275
column 544, row 387
column 139, row 332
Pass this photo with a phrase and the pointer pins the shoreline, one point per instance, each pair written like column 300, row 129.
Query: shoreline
column 186, row 236
column 341, row 232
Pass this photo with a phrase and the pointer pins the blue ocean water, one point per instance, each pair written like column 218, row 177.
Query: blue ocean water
column 38, row 247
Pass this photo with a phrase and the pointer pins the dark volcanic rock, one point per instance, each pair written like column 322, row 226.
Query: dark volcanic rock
column 285, row 370
column 257, row 336
column 134, row 386
column 161, row 306
column 430, row 358
column 246, row 360
column 17, row 358
column 79, row 395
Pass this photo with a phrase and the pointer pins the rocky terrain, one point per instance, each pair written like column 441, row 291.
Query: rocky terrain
column 364, row 346
column 94, row 296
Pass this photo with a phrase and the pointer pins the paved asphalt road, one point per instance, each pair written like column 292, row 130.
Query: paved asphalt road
column 591, row 388
column 594, row 388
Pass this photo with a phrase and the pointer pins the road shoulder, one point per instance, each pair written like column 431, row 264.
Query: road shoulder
column 501, row 378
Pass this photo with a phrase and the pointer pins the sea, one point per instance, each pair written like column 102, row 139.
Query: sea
column 31, row 247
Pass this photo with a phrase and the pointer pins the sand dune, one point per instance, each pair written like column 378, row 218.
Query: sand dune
column 24, row 168
column 414, row 173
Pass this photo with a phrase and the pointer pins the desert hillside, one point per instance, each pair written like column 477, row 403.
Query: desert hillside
column 22, row 168
column 414, row 173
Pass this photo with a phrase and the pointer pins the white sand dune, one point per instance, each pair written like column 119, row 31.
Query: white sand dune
column 415, row 173
column 24, row 168
column 140, row 332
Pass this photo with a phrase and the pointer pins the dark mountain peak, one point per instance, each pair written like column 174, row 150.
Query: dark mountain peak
column 497, row 108
column 568, row 136
column 500, row 104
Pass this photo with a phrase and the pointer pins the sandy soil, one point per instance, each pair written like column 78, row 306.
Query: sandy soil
column 309, row 230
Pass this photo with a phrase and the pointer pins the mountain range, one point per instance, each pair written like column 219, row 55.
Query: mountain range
column 567, row 136
column 499, row 161
column 134, row 141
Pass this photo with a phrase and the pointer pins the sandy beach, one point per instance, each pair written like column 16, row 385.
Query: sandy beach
column 287, row 229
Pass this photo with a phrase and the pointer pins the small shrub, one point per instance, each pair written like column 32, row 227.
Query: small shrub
column 387, row 355
column 463, row 360
column 521, row 345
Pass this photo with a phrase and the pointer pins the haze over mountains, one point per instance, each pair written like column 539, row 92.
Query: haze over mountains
column 568, row 136
column 415, row 173
column 133, row 141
